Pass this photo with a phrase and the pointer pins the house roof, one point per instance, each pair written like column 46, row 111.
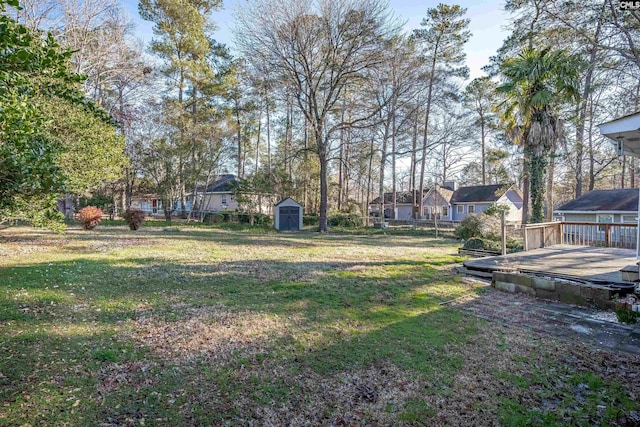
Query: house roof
column 444, row 192
column 479, row 193
column 624, row 131
column 224, row 184
column 604, row 200
column 402, row 198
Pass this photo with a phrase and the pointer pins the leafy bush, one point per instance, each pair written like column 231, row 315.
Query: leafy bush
column 311, row 219
column 90, row 216
column 483, row 244
column 213, row 218
column 134, row 218
column 261, row 219
column 345, row 220
column 625, row 315
column 479, row 225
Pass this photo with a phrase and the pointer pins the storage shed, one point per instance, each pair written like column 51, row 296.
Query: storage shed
column 288, row 215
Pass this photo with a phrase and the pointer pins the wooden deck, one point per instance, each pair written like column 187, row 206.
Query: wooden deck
column 579, row 262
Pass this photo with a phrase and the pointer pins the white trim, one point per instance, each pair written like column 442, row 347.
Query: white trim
column 458, row 209
column 596, row 212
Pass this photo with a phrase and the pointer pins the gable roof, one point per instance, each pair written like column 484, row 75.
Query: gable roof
column 224, row 184
column 480, row 193
column 288, row 198
column 402, row 198
column 444, row 192
column 605, row 200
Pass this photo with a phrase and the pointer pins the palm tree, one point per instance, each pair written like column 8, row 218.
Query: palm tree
column 537, row 83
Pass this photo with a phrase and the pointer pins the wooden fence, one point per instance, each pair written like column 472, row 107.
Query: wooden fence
column 580, row 234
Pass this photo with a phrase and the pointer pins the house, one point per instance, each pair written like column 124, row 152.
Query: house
column 437, row 202
column 605, row 206
column 404, row 205
column 217, row 196
column 150, row 203
column 448, row 203
column 478, row 198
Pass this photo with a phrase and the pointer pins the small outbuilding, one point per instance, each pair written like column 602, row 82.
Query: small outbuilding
column 288, row 215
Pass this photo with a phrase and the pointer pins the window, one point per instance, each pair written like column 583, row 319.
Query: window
column 460, row 209
column 224, row 199
column 472, row 209
column 606, row 219
column 445, row 210
column 629, row 219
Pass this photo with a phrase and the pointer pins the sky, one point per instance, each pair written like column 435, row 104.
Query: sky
column 488, row 22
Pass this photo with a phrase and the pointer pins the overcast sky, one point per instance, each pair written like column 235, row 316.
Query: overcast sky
column 487, row 25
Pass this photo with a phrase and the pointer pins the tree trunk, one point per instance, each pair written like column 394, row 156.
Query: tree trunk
column 323, row 187
column 582, row 109
column 484, row 160
column 383, row 161
column 549, row 195
column 624, row 171
column 393, row 162
column 414, row 164
column 537, row 168
column 239, row 137
column 525, row 187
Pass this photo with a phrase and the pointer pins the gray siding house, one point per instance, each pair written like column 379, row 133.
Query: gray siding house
column 604, row 206
column 478, row 198
column 404, row 205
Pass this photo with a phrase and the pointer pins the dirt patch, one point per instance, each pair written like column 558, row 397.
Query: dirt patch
column 213, row 332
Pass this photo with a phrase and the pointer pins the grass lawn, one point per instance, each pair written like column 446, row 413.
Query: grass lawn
column 210, row 326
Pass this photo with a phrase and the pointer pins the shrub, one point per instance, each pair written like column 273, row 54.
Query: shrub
column 625, row 315
column 345, row 220
column 213, row 218
column 134, row 218
column 311, row 219
column 90, row 216
column 483, row 244
column 479, row 225
column 261, row 219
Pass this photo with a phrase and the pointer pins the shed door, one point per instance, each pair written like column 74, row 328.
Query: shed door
column 289, row 218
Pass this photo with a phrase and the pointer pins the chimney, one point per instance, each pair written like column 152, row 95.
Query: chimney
column 451, row 185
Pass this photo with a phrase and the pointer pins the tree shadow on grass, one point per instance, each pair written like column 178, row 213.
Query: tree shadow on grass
column 359, row 312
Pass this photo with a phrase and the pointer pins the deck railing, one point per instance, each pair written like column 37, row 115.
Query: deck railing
column 606, row 235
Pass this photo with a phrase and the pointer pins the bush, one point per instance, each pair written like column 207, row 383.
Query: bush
column 345, row 220
column 311, row 219
column 625, row 315
column 213, row 218
column 479, row 225
column 483, row 244
column 261, row 219
column 90, row 216
column 134, row 218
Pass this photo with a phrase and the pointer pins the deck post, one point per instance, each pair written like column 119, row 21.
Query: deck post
column 638, row 230
column 607, row 236
column 504, row 234
column 525, row 239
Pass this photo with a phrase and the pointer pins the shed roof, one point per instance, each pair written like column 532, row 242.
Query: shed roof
column 625, row 199
column 288, row 198
column 480, row 193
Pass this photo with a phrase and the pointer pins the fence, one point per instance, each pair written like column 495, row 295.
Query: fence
column 580, row 234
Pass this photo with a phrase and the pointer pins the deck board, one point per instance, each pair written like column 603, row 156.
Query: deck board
column 585, row 262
